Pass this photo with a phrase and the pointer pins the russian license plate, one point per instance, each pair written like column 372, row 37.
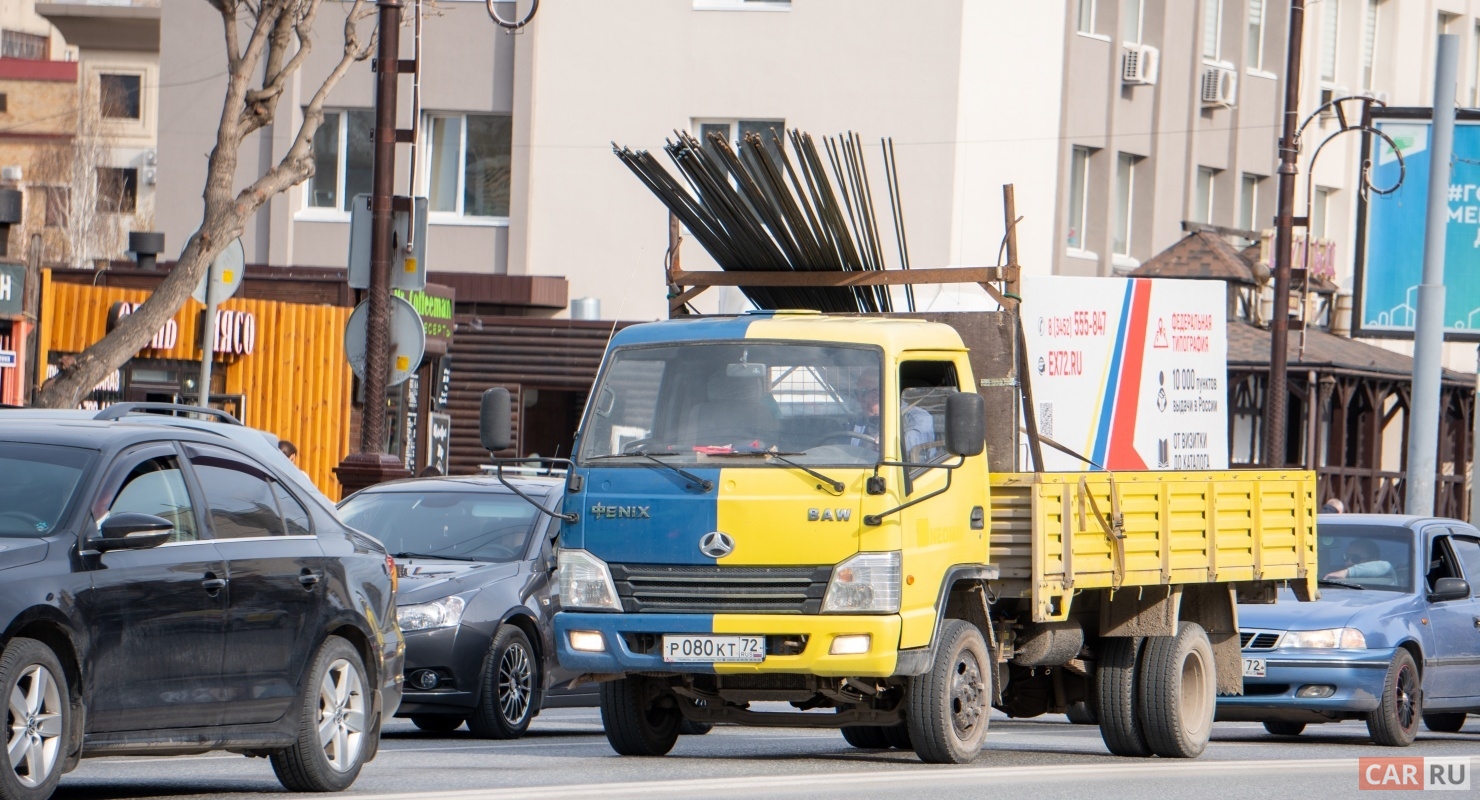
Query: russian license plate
column 1254, row 668
column 708, row 649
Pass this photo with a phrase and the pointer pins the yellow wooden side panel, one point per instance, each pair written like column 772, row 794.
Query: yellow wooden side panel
column 1102, row 530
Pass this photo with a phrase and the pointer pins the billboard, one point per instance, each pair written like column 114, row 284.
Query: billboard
column 1130, row 373
column 1390, row 229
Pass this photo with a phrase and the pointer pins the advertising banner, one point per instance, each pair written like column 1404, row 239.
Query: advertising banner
column 1130, row 373
column 1391, row 229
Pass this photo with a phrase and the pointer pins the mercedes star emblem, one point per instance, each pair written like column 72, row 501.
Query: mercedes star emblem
column 716, row 545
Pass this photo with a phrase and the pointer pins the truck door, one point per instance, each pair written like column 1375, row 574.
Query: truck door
column 936, row 532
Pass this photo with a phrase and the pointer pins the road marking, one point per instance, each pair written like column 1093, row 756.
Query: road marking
column 875, row 780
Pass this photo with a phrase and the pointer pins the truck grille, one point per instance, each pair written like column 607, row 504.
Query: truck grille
column 1258, row 640
column 678, row 589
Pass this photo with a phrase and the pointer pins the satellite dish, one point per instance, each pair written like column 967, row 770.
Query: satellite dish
column 225, row 275
column 408, row 340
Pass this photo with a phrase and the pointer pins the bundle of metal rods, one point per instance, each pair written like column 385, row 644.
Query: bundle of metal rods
column 762, row 208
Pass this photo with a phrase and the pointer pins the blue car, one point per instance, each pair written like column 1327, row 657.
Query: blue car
column 1394, row 638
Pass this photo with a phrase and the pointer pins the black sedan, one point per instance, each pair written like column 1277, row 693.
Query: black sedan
column 172, row 587
column 478, row 592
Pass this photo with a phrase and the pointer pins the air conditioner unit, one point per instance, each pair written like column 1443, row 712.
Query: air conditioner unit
column 1139, row 65
column 1380, row 97
column 1219, row 86
column 12, row 173
column 1329, row 93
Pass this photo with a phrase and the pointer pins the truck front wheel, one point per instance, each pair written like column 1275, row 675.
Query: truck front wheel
column 641, row 718
column 948, row 706
column 1178, row 692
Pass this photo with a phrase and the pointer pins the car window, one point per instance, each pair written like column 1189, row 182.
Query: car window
column 468, row 526
column 1441, row 562
column 1468, row 550
column 295, row 516
column 1378, row 557
column 239, row 499
column 157, row 486
column 37, row 484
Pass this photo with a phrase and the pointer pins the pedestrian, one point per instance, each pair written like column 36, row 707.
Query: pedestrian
column 430, row 471
column 289, row 449
column 1333, row 506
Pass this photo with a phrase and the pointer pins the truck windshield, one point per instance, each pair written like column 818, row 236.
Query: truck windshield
column 721, row 401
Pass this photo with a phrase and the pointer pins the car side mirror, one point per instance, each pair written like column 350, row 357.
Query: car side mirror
column 495, row 420
column 966, row 424
column 133, row 531
column 1450, row 589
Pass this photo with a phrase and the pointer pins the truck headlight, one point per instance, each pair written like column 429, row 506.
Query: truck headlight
column 443, row 613
column 1331, row 638
column 586, row 583
column 867, row 583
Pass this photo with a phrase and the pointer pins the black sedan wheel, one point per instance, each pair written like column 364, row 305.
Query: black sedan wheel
column 511, row 672
column 438, row 723
column 37, row 718
column 1446, row 722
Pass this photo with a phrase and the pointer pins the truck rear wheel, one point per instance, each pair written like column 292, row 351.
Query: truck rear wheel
column 948, row 707
column 1178, row 692
column 866, row 737
column 640, row 717
column 898, row 736
column 1115, row 697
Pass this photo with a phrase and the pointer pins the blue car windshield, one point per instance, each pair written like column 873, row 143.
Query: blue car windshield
column 1376, row 557
column 461, row 526
column 37, row 483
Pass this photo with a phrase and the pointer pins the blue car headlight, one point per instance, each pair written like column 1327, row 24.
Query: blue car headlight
column 444, row 613
column 1328, row 639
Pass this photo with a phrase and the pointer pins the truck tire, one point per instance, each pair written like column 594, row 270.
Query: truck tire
column 1178, row 692
column 637, row 720
column 1444, row 723
column 947, row 709
column 866, row 737
column 1081, row 713
column 1115, row 697
column 1282, row 728
column 1395, row 722
column 691, row 728
column 898, row 736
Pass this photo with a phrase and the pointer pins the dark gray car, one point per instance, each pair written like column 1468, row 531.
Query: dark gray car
column 477, row 595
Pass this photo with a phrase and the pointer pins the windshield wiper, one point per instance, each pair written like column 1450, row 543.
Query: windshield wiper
column 704, row 484
column 1336, row 582
column 837, row 486
column 434, row 556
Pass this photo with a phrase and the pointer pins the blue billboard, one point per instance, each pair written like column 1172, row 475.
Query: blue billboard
column 1390, row 229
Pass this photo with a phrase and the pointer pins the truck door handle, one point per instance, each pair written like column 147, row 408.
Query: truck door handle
column 213, row 584
column 309, row 579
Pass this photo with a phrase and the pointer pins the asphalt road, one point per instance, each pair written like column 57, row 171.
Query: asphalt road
column 565, row 755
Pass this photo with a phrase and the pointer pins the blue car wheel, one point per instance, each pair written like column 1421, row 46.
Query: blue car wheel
column 1395, row 722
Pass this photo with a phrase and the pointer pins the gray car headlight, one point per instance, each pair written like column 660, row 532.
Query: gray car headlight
column 586, row 583
column 1329, row 639
column 867, row 583
column 444, row 613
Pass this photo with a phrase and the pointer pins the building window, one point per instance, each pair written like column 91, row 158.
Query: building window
column 118, row 96
column 343, row 159
column 118, row 190
column 1078, row 180
column 1248, row 203
column 29, row 46
column 1254, row 58
column 1212, row 31
column 1131, row 12
column 4, row 103
column 58, row 200
column 468, row 164
column 1369, row 44
column 1330, row 26
column 1318, row 206
column 735, row 130
column 1125, row 179
column 1474, row 68
column 1086, row 16
column 1202, row 201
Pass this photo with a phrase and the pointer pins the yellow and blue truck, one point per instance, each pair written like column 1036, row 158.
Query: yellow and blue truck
column 793, row 510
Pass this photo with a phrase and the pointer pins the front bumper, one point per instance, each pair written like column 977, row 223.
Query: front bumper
column 456, row 654
column 1358, row 675
column 619, row 630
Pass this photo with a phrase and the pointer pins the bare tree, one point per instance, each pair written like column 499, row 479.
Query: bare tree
column 267, row 42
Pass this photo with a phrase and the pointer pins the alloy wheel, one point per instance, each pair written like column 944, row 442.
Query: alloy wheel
column 1405, row 696
column 341, row 715
column 35, row 718
column 515, row 684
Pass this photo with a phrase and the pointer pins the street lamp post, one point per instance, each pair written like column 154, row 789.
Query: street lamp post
column 1277, row 395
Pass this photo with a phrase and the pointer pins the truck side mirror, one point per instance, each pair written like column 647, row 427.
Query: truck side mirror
column 966, row 424
column 494, row 420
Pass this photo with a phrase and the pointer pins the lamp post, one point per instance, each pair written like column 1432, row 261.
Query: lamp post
column 1284, row 225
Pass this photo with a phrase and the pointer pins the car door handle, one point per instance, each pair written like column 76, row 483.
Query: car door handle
column 1477, row 622
column 309, row 578
column 213, row 584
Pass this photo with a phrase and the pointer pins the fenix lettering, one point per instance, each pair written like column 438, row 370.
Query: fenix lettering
column 600, row 511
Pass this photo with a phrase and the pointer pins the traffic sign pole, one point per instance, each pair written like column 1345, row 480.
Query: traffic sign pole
column 208, row 336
